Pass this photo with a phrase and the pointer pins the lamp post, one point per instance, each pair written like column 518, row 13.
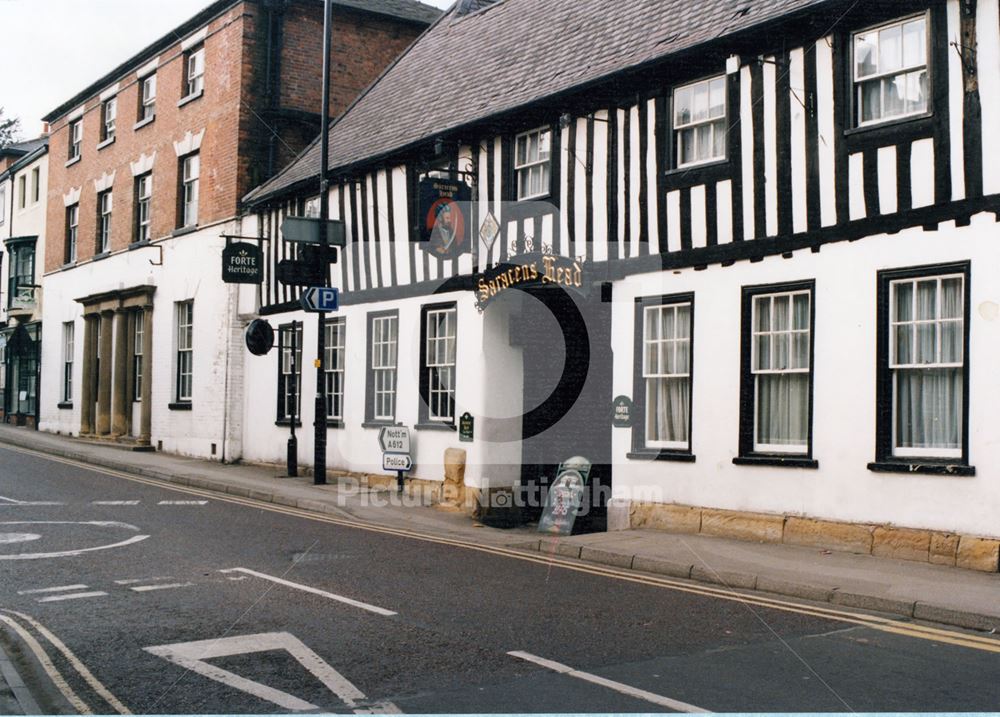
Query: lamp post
column 319, row 422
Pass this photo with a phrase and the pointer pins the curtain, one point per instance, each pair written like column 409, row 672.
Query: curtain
column 668, row 403
column 783, row 409
column 929, row 408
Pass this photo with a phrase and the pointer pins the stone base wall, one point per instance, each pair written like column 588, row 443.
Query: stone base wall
column 887, row 541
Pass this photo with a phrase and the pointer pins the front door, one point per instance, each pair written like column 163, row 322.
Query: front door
column 566, row 339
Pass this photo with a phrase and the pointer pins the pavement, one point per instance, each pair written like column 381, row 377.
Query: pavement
column 919, row 591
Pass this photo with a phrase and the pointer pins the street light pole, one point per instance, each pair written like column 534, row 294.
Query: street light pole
column 319, row 422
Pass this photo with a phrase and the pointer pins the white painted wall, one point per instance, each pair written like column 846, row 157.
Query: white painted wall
column 844, row 393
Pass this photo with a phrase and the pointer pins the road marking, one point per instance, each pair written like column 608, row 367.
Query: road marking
column 72, row 596
column 610, row 684
column 883, row 624
column 183, row 502
column 11, row 538
column 76, row 662
column 43, row 659
column 133, row 581
column 78, row 551
column 57, row 589
column 114, row 502
column 13, row 501
column 314, row 591
column 161, row 586
column 193, row 656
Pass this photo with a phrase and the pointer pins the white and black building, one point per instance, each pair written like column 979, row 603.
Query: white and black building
column 771, row 225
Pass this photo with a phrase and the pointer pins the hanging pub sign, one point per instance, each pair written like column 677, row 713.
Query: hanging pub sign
column 242, row 263
column 444, row 217
column 527, row 270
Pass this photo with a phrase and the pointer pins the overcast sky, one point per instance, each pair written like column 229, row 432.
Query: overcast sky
column 52, row 49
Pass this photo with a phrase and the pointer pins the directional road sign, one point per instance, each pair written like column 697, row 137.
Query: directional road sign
column 394, row 439
column 320, row 298
column 308, row 230
column 396, row 462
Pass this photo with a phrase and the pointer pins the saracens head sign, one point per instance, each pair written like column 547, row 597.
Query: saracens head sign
column 530, row 270
column 444, row 217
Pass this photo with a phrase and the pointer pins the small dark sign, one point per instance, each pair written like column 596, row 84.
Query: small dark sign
column 530, row 270
column 242, row 263
column 302, row 273
column 445, row 222
column 259, row 337
column 622, row 416
column 466, row 427
column 309, row 230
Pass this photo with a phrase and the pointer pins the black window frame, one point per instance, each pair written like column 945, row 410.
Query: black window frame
column 885, row 461
column 640, row 450
column 186, row 92
column 99, row 248
column 137, row 211
column 285, row 332
column 105, row 135
column 425, row 421
column 370, row 419
column 748, row 455
column 74, row 148
column 71, row 242
column 16, row 249
column 179, row 400
column 140, row 117
column 67, row 360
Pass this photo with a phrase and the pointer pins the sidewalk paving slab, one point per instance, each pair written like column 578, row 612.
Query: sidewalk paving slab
column 922, row 591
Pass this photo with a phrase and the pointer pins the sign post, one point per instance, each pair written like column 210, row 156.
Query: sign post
column 395, row 444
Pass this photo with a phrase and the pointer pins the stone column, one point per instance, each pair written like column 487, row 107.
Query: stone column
column 119, row 393
column 104, row 380
column 146, row 418
column 87, row 375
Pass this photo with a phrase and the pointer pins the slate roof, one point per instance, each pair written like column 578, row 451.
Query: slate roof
column 408, row 10
column 510, row 54
column 25, row 147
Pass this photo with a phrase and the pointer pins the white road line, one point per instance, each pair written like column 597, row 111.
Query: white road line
column 59, row 589
column 13, row 501
column 72, row 596
column 133, row 581
column 115, row 502
column 610, row 684
column 43, row 659
column 77, row 664
column 183, row 502
column 160, row 586
column 79, row 551
column 314, row 591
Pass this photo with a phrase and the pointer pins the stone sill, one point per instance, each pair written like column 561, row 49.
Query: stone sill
column 142, row 123
column 287, row 423
column 190, row 98
column 64, row 404
column 431, row 426
column 106, row 143
column 71, row 162
column 922, row 467
column 181, row 231
column 654, row 455
column 776, row 461
column 378, row 424
column 179, row 406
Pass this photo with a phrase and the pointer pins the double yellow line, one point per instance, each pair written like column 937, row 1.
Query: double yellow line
column 882, row 624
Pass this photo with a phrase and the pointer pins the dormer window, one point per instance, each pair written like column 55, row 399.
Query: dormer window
column 699, row 120
column 890, row 71
column 532, row 159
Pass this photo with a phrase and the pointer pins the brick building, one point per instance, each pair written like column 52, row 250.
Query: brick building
column 150, row 162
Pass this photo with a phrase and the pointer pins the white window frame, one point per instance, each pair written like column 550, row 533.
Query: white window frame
column 72, row 231
column 147, row 98
column 384, row 357
column 194, row 71
column 36, row 184
column 716, row 123
column 540, row 161
column 3, row 204
column 650, row 373
column 857, row 80
column 105, row 205
column 895, row 366
column 190, row 189
column 22, row 191
column 440, row 363
column 75, row 138
column 109, row 118
column 334, row 345
column 69, row 330
column 184, row 338
column 772, row 334
column 138, row 336
column 143, row 203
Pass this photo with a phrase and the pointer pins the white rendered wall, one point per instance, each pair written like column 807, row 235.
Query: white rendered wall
column 842, row 488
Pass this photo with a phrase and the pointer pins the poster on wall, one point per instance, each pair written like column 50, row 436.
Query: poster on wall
column 444, row 217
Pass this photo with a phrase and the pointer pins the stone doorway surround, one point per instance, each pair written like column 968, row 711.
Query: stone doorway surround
column 114, row 314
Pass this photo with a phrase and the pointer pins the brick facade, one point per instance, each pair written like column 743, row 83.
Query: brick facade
column 253, row 122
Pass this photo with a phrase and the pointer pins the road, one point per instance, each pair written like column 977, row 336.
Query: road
column 146, row 598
